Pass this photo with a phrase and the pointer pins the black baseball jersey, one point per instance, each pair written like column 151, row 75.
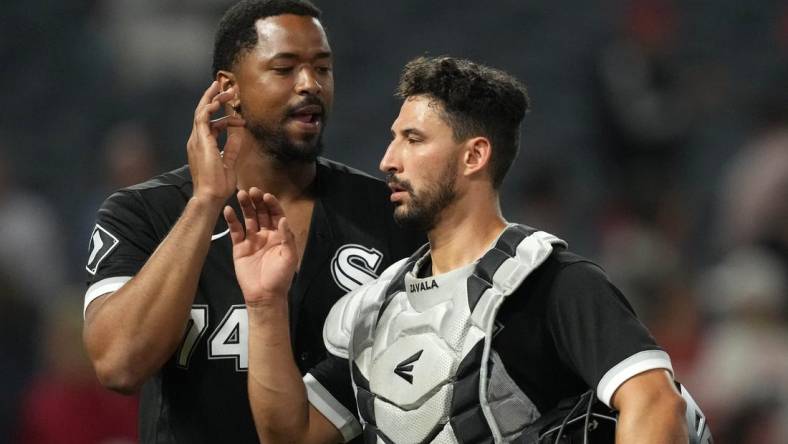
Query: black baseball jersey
column 200, row 395
column 565, row 329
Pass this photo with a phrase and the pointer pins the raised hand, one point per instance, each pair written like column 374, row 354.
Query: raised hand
column 265, row 257
column 213, row 173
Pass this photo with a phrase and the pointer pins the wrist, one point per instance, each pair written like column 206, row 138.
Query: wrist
column 206, row 204
column 265, row 311
column 268, row 305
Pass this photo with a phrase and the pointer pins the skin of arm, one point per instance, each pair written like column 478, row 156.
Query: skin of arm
column 265, row 259
column 130, row 334
column 650, row 410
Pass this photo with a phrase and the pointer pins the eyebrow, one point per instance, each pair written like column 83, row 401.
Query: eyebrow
column 294, row 56
column 407, row 132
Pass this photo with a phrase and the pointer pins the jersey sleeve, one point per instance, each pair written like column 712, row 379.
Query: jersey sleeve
column 596, row 331
column 120, row 244
column 330, row 391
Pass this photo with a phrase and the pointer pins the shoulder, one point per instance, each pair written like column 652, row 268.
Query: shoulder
column 167, row 188
column 176, row 179
column 575, row 270
column 565, row 270
column 562, row 268
column 568, row 287
column 338, row 328
column 346, row 308
column 337, row 176
column 340, row 170
column 578, row 281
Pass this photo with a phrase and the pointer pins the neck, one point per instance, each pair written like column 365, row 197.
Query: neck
column 464, row 232
column 287, row 181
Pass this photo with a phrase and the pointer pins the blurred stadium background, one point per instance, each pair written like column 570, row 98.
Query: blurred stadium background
column 657, row 144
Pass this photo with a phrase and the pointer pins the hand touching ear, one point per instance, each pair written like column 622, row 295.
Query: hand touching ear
column 213, row 173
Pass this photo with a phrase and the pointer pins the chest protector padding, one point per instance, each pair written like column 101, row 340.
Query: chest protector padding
column 422, row 364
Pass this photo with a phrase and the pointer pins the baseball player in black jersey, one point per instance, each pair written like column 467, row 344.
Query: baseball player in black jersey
column 163, row 310
column 480, row 334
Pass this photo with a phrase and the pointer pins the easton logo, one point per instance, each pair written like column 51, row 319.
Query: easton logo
column 421, row 286
column 404, row 368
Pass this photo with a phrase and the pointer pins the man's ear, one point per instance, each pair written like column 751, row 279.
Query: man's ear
column 478, row 152
column 226, row 81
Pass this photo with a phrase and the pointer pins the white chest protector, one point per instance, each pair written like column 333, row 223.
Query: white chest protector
column 418, row 345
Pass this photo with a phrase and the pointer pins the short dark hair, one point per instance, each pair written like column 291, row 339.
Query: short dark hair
column 237, row 32
column 476, row 101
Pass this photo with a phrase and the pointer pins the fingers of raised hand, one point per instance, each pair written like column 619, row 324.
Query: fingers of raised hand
column 209, row 94
column 232, row 147
column 262, row 210
column 222, row 123
column 275, row 210
column 287, row 233
column 211, row 101
column 236, row 231
column 249, row 212
column 288, row 242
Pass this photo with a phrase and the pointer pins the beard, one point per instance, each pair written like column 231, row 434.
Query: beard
column 283, row 148
column 424, row 210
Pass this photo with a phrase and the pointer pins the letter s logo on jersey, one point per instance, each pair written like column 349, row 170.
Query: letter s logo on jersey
column 354, row 265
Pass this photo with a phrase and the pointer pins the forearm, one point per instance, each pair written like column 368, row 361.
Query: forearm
column 660, row 421
column 130, row 334
column 276, row 391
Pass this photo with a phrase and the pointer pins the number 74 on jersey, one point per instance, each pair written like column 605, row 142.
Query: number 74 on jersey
column 228, row 340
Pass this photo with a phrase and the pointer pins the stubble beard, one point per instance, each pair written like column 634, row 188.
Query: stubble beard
column 276, row 143
column 425, row 208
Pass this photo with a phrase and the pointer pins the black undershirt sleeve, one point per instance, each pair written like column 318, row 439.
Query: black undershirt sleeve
column 333, row 374
column 593, row 326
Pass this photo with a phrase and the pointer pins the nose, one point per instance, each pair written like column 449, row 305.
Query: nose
column 307, row 82
column 390, row 162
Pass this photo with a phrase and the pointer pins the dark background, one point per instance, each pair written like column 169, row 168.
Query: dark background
column 657, row 145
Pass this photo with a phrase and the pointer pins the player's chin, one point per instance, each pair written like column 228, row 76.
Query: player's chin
column 304, row 139
column 402, row 215
column 400, row 208
column 305, row 149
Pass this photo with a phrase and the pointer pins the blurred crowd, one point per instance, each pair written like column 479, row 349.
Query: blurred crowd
column 658, row 146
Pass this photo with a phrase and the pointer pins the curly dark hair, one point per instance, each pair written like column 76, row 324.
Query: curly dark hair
column 237, row 32
column 475, row 100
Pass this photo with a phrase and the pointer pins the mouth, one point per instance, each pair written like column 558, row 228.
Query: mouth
column 310, row 117
column 398, row 191
column 395, row 188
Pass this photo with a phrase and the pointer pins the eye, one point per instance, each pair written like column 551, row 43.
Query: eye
column 323, row 69
column 413, row 140
column 282, row 70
